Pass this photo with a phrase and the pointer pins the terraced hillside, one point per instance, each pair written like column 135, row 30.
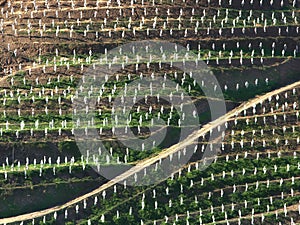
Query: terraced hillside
column 50, row 175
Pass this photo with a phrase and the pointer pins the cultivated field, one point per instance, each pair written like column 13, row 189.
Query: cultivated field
column 237, row 166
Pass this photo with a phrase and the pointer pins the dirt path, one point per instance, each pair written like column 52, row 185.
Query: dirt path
column 147, row 162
